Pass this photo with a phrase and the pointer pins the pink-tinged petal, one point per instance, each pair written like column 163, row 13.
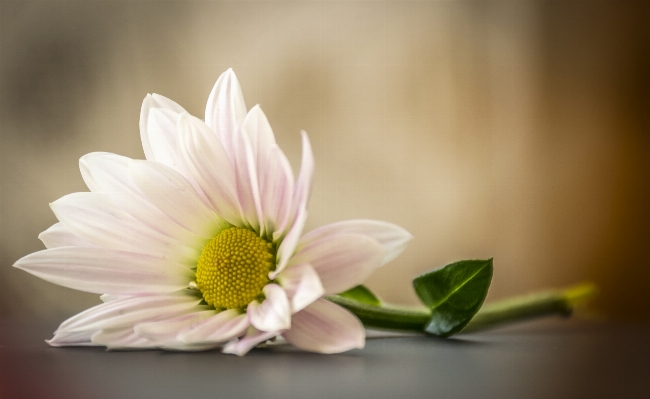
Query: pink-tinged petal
column 253, row 337
column 87, row 175
column 392, row 237
column 121, row 339
column 256, row 126
column 178, row 345
column 211, row 167
column 160, row 334
column 246, row 182
column 302, row 190
column 127, row 312
column 324, row 327
column 109, row 174
column 166, row 331
column 174, row 196
column 96, row 219
column 153, row 101
column 273, row 313
column 288, row 246
column 342, row 261
column 276, row 190
column 163, row 136
column 220, row 327
column 302, row 285
column 74, row 338
column 58, row 236
column 101, row 270
column 109, row 297
column 226, row 110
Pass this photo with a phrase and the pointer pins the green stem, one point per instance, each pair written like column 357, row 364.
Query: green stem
column 385, row 316
column 556, row 302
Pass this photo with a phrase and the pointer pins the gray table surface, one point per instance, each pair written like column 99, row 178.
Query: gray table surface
column 543, row 359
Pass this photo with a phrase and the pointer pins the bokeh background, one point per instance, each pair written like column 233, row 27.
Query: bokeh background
column 515, row 130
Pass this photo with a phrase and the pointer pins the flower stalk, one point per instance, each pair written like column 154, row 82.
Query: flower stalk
column 508, row 311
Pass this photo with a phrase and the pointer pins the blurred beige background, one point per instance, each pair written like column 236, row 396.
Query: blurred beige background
column 513, row 130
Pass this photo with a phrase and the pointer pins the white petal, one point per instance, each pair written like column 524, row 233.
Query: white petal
column 261, row 136
column 166, row 331
column 211, row 167
column 302, row 190
column 302, row 285
column 246, row 181
column 392, row 237
column 153, row 101
column 179, row 345
column 101, row 270
column 58, row 236
column 86, row 173
column 253, row 337
column 96, row 219
column 74, row 338
column 325, row 328
column 163, row 137
column 157, row 334
column 225, row 110
column 288, row 246
column 276, row 190
column 121, row 338
column 220, row 327
column 174, row 195
column 110, row 175
column 109, row 297
column 274, row 313
column 342, row 261
column 126, row 312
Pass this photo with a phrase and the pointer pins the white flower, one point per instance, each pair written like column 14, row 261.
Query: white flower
column 201, row 245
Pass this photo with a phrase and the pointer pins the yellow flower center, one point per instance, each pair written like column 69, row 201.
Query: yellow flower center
column 234, row 268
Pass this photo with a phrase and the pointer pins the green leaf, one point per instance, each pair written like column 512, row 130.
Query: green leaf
column 454, row 294
column 361, row 294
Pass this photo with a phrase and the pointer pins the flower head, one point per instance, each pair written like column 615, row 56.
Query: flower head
column 201, row 245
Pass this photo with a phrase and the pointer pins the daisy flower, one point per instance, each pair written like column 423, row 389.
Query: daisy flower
column 201, row 245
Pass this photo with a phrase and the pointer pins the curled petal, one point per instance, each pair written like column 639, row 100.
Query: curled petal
column 252, row 338
column 302, row 190
column 392, row 237
column 288, row 246
column 101, row 270
column 325, row 328
column 342, row 261
column 274, row 313
column 302, row 285
column 220, row 327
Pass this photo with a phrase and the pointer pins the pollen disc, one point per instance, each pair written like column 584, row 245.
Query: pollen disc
column 233, row 268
